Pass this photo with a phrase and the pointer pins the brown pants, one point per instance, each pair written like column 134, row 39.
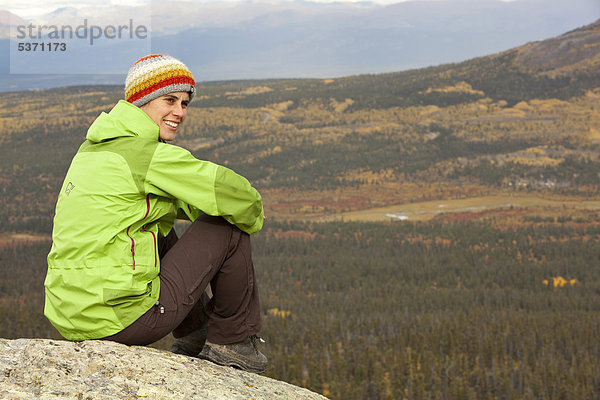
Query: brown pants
column 210, row 251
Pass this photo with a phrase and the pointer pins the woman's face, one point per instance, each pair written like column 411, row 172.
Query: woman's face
column 168, row 112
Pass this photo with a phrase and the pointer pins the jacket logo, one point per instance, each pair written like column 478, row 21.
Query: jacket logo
column 69, row 187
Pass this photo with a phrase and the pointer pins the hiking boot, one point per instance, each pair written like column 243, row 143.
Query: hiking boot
column 190, row 335
column 243, row 355
column 192, row 344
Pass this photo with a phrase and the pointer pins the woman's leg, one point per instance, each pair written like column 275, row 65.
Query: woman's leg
column 210, row 251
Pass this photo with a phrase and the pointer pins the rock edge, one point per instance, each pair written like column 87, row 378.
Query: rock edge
column 96, row 370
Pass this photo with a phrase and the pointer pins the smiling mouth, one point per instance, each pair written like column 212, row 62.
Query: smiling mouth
column 172, row 124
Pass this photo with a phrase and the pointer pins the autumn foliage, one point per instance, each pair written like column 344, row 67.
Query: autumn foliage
column 493, row 300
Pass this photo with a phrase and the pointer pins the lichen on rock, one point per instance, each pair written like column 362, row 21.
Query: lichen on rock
column 96, row 370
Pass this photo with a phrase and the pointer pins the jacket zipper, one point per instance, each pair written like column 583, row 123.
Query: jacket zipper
column 132, row 247
column 143, row 230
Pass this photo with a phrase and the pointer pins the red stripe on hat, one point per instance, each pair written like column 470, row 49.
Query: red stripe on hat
column 148, row 57
column 174, row 80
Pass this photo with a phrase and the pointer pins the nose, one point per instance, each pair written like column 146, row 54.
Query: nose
column 179, row 110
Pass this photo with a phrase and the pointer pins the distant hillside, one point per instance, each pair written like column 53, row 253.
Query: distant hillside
column 574, row 52
column 314, row 146
column 560, row 67
column 234, row 39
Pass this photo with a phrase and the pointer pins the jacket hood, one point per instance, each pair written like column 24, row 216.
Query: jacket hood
column 124, row 120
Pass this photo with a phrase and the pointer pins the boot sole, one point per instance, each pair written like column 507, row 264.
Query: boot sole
column 209, row 354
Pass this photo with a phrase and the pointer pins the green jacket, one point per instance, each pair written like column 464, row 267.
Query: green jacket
column 123, row 189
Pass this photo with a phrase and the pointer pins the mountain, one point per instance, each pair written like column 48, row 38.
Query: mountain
column 497, row 123
column 559, row 67
column 8, row 20
column 299, row 39
column 575, row 50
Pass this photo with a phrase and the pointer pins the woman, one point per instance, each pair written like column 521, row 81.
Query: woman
column 116, row 269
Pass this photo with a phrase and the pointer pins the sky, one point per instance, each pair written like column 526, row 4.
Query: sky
column 29, row 9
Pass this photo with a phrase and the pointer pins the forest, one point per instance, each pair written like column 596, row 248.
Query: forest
column 438, row 310
column 487, row 289
column 320, row 157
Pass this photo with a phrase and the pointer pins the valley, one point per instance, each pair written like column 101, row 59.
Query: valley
column 418, row 224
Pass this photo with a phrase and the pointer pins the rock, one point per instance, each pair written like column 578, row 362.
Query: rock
column 96, row 370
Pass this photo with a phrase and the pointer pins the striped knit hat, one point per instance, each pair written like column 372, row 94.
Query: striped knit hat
column 157, row 74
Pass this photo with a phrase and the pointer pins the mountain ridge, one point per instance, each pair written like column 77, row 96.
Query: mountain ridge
column 549, row 55
column 257, row 40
